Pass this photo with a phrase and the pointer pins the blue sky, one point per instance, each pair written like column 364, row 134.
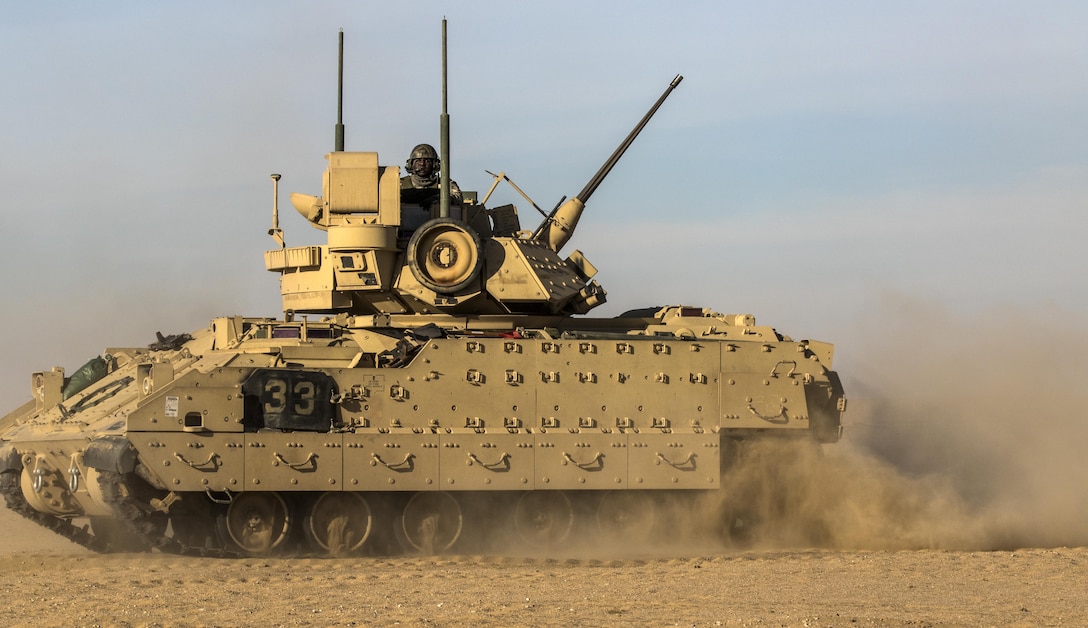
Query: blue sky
column 826, row 166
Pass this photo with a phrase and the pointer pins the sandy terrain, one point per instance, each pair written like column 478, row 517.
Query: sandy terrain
column 47, row 581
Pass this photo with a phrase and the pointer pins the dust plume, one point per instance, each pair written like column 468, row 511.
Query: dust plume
column 795, row 494
column 964, row 433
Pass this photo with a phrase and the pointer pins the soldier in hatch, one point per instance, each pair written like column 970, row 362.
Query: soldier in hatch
column 422, row 183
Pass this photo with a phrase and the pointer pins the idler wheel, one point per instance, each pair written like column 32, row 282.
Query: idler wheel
column 339, row 523
column 444, row 255
column 543, row 519
column 432, row 522
column 257, row 522
column 626, row 515
column 47, row 491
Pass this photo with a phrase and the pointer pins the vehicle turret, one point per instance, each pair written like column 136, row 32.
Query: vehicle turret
column 389, row 251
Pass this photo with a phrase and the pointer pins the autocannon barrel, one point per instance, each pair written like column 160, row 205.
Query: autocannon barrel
column 607, row 167
column 558, row 227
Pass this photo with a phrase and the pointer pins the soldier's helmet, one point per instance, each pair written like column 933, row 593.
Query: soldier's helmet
column 422, row 151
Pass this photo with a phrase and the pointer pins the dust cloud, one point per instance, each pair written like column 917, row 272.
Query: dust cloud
column 963, row 433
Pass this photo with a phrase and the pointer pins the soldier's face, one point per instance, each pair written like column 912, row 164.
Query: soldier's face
column 423, row 166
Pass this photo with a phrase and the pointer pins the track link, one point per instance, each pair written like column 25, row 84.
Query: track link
column 128, row 511
column 80, row 535
column 135, row 516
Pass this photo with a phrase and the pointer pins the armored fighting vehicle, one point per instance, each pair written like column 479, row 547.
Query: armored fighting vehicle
column 433, row 382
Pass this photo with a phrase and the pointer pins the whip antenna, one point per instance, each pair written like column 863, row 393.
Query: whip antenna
column 340, row 98
column 444, row 145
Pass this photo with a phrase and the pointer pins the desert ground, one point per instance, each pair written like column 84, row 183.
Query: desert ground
column 47, row 581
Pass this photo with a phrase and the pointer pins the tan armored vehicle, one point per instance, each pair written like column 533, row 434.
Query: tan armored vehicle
column 432, row 383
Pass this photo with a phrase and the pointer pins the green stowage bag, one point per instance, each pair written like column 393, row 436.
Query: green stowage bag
column 87, row 374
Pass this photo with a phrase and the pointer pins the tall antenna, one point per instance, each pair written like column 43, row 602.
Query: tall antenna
column 275, row 231
column 444, row 146
column 340, row 98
